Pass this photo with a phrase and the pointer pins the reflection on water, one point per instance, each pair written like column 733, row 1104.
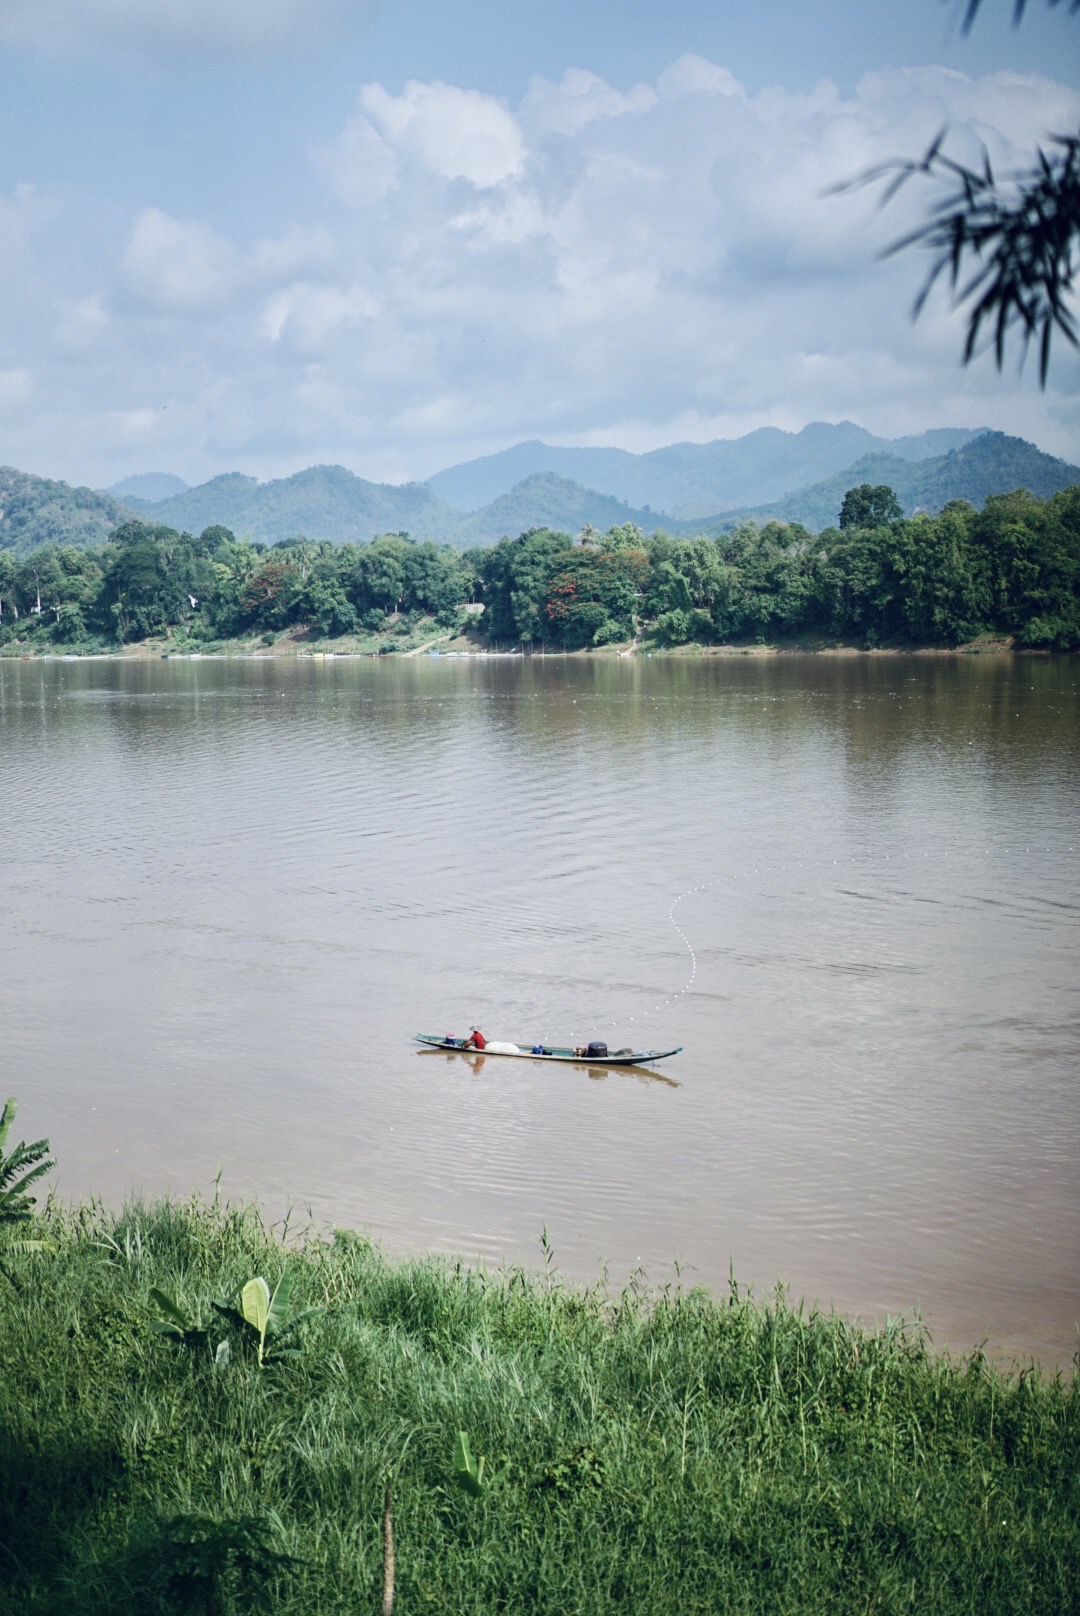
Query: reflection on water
column 233, row 892
column 640, row 1074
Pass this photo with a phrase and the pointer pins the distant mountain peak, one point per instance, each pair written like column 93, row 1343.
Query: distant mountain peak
column 148, row 487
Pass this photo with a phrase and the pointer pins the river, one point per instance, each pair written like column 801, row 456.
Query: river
column 233, row 890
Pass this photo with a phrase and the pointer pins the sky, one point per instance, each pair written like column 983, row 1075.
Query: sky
column 258, row 235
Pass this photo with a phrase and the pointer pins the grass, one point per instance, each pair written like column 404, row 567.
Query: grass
column 679, row 1454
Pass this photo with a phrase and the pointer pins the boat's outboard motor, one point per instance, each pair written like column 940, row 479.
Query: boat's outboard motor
column 596, row 1051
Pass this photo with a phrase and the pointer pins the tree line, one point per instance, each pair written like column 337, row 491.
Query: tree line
column 877, row 578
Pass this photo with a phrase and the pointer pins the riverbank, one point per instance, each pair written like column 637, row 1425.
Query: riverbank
column 680, row 1454
column 427, row 641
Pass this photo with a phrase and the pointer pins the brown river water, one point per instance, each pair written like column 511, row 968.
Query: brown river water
column 233, row 890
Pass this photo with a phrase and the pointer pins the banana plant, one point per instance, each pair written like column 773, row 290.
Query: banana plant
column 177, row 1326
column 468, row 1472
column 263, row 1316
column 209, row 1564
column 19, row 1168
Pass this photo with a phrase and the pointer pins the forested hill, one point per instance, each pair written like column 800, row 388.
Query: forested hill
column 35, row 511
column 548, row 500
column 323, row 502
column 692, row 480
column 992, row 463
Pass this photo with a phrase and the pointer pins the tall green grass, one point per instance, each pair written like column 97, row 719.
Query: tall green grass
column 676, row 1454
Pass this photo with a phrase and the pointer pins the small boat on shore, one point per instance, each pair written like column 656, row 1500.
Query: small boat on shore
column 550, row 1052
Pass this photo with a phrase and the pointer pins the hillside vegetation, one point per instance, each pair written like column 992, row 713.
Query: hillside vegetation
column 328, row 502
column 323, row 502
column 545, row 499
column 331, row 503
column 174, row 1441
column 991, row 464
column 878, row 579
column 35, row 511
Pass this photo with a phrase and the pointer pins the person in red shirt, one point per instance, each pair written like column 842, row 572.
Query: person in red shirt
column 475, row 1040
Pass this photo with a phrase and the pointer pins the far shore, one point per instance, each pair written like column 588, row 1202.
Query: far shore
column 300, row 647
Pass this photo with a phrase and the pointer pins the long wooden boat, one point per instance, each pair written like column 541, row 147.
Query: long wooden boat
column 549, row 1052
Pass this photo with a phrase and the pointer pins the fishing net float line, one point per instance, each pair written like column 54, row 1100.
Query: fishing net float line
column 721, row 880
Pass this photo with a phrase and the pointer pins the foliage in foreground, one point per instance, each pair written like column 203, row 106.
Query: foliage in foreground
column 20, row 1167
column 683, row 1454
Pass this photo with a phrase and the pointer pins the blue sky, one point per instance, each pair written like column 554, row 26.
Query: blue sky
column 258, row 234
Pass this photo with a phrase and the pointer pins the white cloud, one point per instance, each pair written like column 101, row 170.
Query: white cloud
column 16, row 387
column 22, row 215
column 81, row 326
column 183, row 267
column 360, row 164
column 164, row 29
column 694, row 75
column 179, row 266
column 438, row 129
column 308, row 317
column 580, row 98
column 597, row 265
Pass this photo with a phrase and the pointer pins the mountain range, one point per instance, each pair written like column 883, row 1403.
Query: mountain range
column 799, row 476
column 690, row 481
column 992, row 463
column 330, row 502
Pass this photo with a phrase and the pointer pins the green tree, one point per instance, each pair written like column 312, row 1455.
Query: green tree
column 593, row 596
column 434, row 580
column 154, row 579
column 865, row 506
column 231, row 563
column 270, row 593
column 324, row 604
column 625, row 536
column 513, row 579
column 945, row 595
column 1030, row 552
column 9, row 577
column 861, row 584
column 769, row 584
column 380, row 574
